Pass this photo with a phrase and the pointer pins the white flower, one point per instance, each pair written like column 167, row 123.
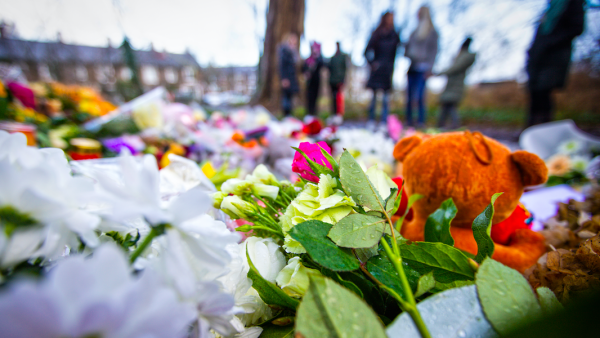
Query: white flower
column 137, row 193
column 579, row 163
column 266, row 256
column 293, row 278
column 381, row 181
column 236, row 207
column 94, row 297
column 50, row 195
column 570, row 147
column 262, row 175
column 253, row 309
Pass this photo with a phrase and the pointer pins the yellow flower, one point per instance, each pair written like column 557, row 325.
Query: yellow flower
column 558, row 165
column 2, row 90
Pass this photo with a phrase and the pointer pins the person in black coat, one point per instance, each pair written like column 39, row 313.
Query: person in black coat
column 380, row 54
column 287, row 71
column 312, row 69
column 550, row 55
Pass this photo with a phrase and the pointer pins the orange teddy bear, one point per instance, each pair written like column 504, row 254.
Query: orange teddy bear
column 470, row 168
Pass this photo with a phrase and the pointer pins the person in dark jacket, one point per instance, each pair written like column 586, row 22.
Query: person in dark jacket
column 380, row 54
column 421, row 49
column 455, row 87
column 288, row 57
column 337, row 76
column 312, row 69
column 550, row 55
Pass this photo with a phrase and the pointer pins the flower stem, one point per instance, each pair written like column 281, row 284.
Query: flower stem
column 260, row 227
column 154, row 231
column 409, row 305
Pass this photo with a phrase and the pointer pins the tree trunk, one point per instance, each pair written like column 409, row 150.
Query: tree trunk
column 283, row 17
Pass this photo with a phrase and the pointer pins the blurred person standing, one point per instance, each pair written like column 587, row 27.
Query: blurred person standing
column 421, row 49
column 337, row 76
column 381, row 54
column 550, row 55
column 312, row 70
column 288, row 58
column 455, row 87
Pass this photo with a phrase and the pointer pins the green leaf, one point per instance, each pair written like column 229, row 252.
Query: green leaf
column 454, row 313
column 411, row 200
column 347, row 284
column 317, row 168
column 426, row 283
column 506, row 297
column 332, row 161
column 364, row 254
column 313, row 237
column 390, row 202
column 447, row 263
column 482, row 227
column 357, row 231
column 446, row 286
column 383, row 270
column 274, row 331
column 356, row 184
column 397, row 201
column 329, row 310
column 269, row 292
column 437, row 226
column 548, row 301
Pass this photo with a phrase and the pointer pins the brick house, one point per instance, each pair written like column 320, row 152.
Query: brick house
column 100, row 67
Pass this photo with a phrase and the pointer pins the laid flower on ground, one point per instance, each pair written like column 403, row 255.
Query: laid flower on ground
column 312, row 151
column 94, row 297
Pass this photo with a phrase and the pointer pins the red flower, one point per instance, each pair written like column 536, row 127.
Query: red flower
column 313, row 151
column 404, row 202
column 313, row 127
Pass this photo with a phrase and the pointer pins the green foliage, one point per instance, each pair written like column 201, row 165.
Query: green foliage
column 357, row 185
column 329, row 310
column 447, row 263
column 313, row 237
column 392, row 203
column 383, row 270
column 332, row 161
column 126, row 242
column 11, row 219
column 482, row 227
column 506, row 297
column 548, row 301
column 269, row 292
column 437, row 226
column 425, row 284
column 358, row 231
column 275, row 331
column 347, row 284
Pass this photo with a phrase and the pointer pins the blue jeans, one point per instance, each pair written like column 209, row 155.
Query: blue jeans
column 415, row 90
column 384, row 106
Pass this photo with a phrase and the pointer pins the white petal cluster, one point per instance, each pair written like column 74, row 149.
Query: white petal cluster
column 188, row 281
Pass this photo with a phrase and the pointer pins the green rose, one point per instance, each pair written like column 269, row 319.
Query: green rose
column 293, row 278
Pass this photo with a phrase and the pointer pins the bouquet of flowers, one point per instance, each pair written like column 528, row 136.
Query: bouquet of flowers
column 569, row 164
column 327, row 256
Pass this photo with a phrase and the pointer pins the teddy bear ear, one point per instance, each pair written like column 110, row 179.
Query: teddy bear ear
column 405, row 146
column 533, row 169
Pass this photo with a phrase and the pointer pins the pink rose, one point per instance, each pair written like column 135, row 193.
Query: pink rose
column 23, row 94
column 313, row 151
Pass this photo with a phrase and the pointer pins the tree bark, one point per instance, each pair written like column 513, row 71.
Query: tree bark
column 283, row 17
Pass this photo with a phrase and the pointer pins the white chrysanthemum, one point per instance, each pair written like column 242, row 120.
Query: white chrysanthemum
column 570, row 147
column 94, row 297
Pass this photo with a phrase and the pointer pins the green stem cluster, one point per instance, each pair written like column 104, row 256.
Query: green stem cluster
column 154, row 232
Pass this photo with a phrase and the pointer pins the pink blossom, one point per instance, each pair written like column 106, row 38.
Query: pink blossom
column 313, row 151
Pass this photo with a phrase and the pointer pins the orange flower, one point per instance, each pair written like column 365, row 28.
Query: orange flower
column 558, row 165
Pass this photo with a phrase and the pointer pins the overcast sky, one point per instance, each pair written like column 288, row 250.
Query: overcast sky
column 229, row 32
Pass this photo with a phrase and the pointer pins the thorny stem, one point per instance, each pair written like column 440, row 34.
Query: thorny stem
column 410, row 305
